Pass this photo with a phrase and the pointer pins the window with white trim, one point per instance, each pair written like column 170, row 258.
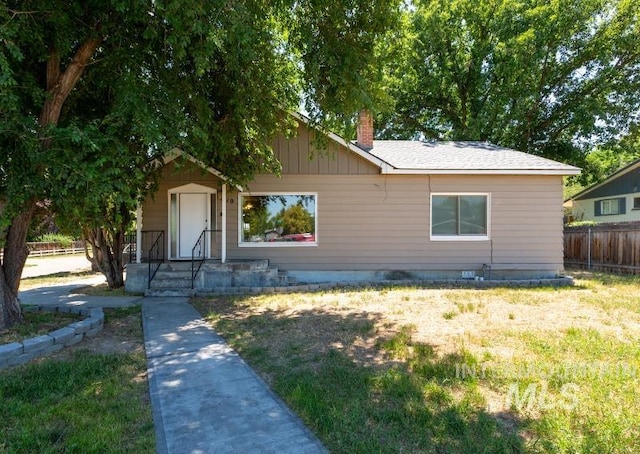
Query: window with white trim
column 277, row 219
column 460, row 216
column 608, row 207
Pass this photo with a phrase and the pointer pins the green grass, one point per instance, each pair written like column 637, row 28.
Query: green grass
column 584, row 387
column 359, row 370
column 35, row 324
column 90, row 404
column 406, row 404
column 449, row 315
column 84, row 403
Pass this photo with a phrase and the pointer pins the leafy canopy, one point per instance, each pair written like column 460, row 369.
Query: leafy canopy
column 550, row 77
column 212, row 78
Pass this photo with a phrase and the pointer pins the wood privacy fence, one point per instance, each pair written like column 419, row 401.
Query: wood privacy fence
column 603, row 247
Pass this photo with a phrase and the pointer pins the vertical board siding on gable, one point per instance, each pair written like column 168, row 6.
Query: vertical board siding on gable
column 155, row 210
column 368, row 222
column 299, row 156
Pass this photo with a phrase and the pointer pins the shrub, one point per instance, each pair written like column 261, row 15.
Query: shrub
column 581, row 224
column 65, row 241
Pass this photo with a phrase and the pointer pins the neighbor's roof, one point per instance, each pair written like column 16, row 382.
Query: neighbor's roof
column 614, row 176
column 408, row 156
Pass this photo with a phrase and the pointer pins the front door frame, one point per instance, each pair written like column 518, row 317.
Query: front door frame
column 174, row 229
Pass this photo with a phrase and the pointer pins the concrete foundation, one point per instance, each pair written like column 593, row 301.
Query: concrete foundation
column 175, row 277
column 363, row 276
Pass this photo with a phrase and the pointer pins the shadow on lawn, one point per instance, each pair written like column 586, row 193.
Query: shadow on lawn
column 361, row 385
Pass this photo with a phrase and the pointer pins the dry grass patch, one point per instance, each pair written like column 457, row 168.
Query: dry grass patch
column 63, row 277
column 510, row 370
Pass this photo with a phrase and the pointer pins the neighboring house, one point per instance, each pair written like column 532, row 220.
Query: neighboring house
column 616, row 199
column 367, row 210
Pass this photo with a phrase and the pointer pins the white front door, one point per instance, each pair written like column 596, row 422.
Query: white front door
column 193, row 218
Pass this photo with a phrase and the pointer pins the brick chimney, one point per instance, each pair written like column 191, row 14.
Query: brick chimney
column 364, row 137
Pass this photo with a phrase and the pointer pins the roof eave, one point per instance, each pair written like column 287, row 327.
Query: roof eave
column 617, row 174
column 561, row 172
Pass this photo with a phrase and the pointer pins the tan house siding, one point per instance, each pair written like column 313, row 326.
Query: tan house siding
column 371, row 221
column 368, row 222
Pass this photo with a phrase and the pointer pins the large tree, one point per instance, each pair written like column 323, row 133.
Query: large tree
column 542, row 76
column 89, row 88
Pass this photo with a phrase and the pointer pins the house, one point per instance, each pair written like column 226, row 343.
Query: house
column 616, row 199
column 358, row 211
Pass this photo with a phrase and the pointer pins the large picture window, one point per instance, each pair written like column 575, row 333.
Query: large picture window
column 278, row 219
column 459, row 216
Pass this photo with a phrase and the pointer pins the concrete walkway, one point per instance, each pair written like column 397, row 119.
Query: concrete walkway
column 205, row 398
column 58, row 295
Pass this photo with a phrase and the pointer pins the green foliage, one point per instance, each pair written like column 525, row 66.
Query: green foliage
column 581, row 224
column 546, row 77
column 64, row 241
column 295, row 219
column 211, row 78
column 604, row 160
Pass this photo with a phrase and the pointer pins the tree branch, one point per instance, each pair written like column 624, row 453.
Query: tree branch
column 59, row 85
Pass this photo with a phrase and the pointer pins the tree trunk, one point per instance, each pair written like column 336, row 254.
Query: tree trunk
column 106, row 254
column 14, row 258
column 10, row 310
column 59, row 85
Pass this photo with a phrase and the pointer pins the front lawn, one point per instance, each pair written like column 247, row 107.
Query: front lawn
column 89, row 398
column 451, row 370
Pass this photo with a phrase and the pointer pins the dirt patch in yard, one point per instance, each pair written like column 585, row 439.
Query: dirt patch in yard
column 122, row 333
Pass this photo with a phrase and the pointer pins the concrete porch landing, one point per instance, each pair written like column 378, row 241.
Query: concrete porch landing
column 175, row 278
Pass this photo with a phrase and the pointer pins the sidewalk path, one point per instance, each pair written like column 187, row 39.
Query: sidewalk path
column 205, row 398
column 42, row 266
column 57, row 295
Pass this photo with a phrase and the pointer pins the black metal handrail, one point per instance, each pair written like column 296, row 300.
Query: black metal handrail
column 199, row 253
column 156, row 256
column 130, row 248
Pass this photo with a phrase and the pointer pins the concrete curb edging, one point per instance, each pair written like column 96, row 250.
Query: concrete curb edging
column 17, row 353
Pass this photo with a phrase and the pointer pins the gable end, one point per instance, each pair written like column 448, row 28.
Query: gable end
column 628, row 183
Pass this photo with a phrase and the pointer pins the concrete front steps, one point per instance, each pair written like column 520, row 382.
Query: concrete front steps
column 174, row 278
